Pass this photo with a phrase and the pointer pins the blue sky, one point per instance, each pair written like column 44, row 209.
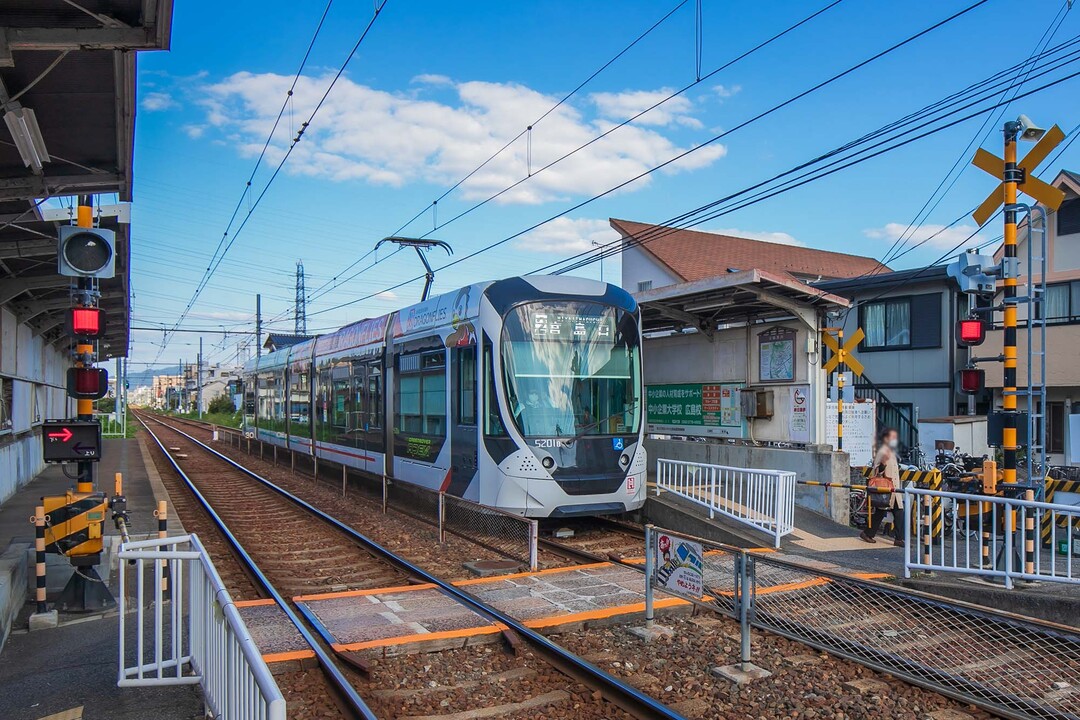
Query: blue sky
column 437, row 87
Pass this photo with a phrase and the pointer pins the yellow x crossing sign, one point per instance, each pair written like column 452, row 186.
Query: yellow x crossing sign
column 845, row 353
column 1047, row 194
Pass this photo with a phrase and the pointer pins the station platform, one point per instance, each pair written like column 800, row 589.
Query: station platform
column 70, row 671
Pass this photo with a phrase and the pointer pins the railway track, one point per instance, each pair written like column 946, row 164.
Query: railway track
column 595, row 539
column 285, row 562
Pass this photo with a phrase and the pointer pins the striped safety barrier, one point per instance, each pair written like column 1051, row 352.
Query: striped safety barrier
column 1048, row 519
column 926, row 480
column 75, row 523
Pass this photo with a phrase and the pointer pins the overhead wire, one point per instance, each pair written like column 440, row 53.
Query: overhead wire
column 678, row 157
column 602, row 135
column 281, row 164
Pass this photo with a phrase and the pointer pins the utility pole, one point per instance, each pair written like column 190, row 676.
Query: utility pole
column 258, row 326
column 198, row 379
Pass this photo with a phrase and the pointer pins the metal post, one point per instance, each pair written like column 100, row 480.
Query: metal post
column 907, row 536
column 928, row 549
column 39, row 548
column 1029, row 533
column 384, row 491
column 275, row 456
column 743, row 595
column 315, row 473
column 344, row 478
column 292, row 459
column 1008, row 390
column 258, row 326
column 534, row 538
column 442, row 518
column 650, row 570
column 198, row 378
column 162, row 515
column 840, row 391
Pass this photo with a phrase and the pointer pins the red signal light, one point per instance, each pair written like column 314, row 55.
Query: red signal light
column 972, row 381
column 87, row 383
column 86, row 322
column 971, row 332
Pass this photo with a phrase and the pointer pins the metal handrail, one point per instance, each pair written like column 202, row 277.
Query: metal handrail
column 214, row 641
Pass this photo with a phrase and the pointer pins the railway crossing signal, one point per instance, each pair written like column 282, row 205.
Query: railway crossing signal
column 974, row 273
column 843, row 353
column 1019, row 173
column 71, row 440
column 971, row 332
column 86, row 252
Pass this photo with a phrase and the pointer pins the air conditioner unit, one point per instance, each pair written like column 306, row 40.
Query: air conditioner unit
column 756, row 403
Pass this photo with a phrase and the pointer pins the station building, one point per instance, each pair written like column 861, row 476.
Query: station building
column 732, row 352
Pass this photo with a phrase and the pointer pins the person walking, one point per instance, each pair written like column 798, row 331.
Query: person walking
column 886, row 464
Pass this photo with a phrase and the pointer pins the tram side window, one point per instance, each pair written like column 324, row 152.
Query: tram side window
column 465, row 369
column 493, row 425
column 374, row 396
column 421, row 401
column 340, row 400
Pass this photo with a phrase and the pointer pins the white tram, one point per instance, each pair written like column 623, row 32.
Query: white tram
column 524, row 394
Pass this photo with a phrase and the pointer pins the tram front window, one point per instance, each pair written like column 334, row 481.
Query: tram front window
column 572, row 369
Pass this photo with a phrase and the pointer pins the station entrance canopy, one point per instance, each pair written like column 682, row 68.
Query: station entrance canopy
column 735, row 298
column 71, row 64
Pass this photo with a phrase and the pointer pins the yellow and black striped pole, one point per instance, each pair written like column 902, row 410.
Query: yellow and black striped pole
column 1008, row 391
column 39, row 550
column 840, row 392
column 1029, row 535
column 85, row 408
column 162, row 514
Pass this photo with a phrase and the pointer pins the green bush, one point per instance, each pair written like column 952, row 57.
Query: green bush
column 222, row 405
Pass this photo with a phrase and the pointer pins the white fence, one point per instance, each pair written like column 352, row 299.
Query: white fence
column 1008, row 538
column 762, row 499
column 112, row 424
column 211, row 646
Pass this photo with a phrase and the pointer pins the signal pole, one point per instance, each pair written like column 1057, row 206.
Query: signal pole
column 198, row 380
column 1008, row 390
column 84, row 352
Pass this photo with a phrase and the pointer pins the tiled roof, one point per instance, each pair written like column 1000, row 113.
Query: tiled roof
column 694, row 255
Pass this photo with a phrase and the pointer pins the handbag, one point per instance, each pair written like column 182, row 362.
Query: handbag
column 876, row 487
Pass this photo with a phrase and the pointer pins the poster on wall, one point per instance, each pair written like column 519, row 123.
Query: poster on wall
column 696, row 409
column 776, row 355
column 860, row 422
column 799, row 413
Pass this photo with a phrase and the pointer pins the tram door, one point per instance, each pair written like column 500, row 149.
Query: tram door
column 463, row 423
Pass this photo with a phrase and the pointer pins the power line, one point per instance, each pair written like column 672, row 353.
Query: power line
column 585, row 145
column 678, row 157
column 295, row 141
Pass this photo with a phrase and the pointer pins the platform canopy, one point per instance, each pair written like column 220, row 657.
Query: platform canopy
column 733, row 298
column 67, row 74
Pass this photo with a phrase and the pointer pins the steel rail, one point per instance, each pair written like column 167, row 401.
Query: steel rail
column 615, row 691
column 357, row 707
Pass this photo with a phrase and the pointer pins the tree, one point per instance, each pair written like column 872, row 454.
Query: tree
column 222, row 404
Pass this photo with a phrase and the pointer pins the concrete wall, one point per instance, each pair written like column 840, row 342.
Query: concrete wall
column 731, row 356
column 814, row 463
column 36, row 373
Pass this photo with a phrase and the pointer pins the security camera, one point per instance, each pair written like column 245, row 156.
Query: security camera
column 1028, row 130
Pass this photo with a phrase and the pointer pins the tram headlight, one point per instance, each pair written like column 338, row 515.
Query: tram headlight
column 624, row 459
column 548, row 463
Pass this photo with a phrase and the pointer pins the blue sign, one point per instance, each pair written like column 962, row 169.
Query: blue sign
column 616, row 443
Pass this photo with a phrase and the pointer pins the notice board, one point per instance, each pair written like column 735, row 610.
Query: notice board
column 860, row 423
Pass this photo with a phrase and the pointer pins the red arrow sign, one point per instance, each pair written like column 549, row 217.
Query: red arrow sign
column 63, row 435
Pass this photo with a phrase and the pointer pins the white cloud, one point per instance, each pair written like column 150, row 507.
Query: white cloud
column 623, row 105
column 568, row 235
column 780, row 238
column 157, row 101
column 431, row 79
column 194, row 131
column 387, row 295
column 726, row 91
column 935, row 236
column 392, row 139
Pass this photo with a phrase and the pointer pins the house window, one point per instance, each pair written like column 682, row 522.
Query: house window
column 644, row 285
column 1062, row 303
column 1068, row 217
column 1055, row 427
column 901, row 323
